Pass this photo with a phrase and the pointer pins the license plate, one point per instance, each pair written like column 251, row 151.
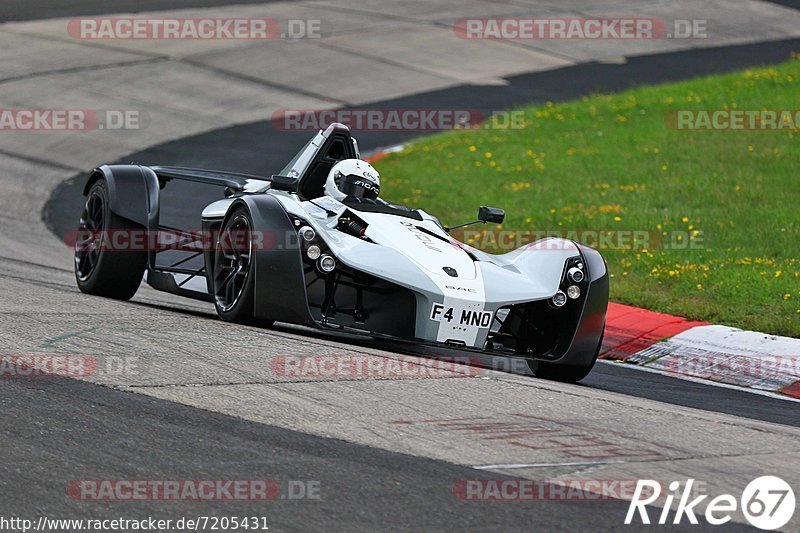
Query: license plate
column 461, row 317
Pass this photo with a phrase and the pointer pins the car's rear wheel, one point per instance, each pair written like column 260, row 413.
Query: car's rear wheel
column 99, row 269
column 234, row 270
column 565, row 373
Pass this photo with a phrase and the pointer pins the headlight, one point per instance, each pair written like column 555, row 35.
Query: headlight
column 573, row 291
column 307, row 233
column 313, row 252
column 326, row 263
column 575, row 274
column 559, row 299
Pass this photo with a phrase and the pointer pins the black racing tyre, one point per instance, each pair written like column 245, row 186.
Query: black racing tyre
column 234, row 270
column 99, row 270
column 564, row 373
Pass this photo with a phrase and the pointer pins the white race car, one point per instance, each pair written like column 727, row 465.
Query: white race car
column 281, row 249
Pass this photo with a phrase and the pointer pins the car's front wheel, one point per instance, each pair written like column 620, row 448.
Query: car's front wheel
column 234, row 270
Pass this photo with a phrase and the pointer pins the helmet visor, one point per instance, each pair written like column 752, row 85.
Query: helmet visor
column 359, row 187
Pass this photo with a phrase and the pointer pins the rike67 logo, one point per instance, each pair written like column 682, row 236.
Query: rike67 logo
column 767, row 503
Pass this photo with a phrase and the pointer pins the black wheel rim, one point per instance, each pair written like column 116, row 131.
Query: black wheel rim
column 90, row 235
column 232, row 262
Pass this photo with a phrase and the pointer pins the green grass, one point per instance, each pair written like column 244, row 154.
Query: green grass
column 610, row 162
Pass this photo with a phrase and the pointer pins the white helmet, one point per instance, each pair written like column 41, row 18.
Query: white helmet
column 353, row 177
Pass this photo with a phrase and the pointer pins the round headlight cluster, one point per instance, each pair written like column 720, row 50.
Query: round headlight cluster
column 325, row 262
column 574, row 276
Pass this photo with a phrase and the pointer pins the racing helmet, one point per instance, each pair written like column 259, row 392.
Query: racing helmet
column 353, row 177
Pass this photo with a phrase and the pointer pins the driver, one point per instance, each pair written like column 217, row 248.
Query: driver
column 353, row 179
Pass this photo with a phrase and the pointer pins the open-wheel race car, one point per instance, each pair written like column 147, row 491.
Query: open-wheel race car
column 282, row 248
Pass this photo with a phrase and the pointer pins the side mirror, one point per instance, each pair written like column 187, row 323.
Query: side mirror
column 491, row 214
column 485, row 214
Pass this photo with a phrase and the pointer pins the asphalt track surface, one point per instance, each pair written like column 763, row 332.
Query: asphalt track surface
column 361, row 487
column 115, row 434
